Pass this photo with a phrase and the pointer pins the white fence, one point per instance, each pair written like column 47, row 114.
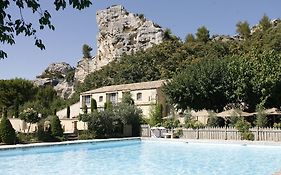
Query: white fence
column 262, row 134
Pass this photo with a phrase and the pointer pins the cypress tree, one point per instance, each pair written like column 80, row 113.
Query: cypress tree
column 7, row 131
column 93, row 105
column 68, row 112
column 56, row 128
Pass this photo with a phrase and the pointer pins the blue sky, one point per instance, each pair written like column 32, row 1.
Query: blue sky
column 75, row 28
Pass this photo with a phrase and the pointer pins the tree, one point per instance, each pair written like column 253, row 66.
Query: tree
column 155, row 115
column 243, row 29
column 168, row 36
column 202, row 34
column 56, row 128
column 200, row 86
column 94, row 106
column 85, row 109
column 30, row 116
column 127, row 98
column 11, row 25
column 261, row 120
column 87, row 51
column 7, row 132
column 265, row 23
column 108, row 105
column 189, row 38
column 68, row 112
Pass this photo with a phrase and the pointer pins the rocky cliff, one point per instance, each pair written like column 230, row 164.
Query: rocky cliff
column 119, row 32
column 60, row 76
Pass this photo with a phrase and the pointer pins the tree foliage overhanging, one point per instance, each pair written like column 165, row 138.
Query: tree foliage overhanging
column 16, row 24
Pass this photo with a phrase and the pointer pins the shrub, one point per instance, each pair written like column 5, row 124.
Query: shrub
column 85, row 117
column 42, row 135
column 56, row 128
column 155, row 115
column 7, row 131
column 248, row 136
column 215, row 121
column 244, row 128
column 277, row 125
column 178, row 133
column 194, row 124
column 27, row 138
column 86, row 135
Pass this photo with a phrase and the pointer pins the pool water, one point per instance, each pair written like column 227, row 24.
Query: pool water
column 137, row 157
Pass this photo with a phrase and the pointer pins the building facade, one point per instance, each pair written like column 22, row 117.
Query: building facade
column 144, row 94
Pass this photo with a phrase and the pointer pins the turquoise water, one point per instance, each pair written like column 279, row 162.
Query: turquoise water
column 142, row 157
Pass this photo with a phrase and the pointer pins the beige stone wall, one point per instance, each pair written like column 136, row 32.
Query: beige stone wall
column 149, row 97
column 68, row 125
column 21, row 126
column 74, row 111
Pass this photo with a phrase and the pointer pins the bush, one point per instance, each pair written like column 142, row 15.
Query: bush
column 86, row 135
column 248, row 136
column 215, row 121
column 7, row 131
column 171, row 123
column 277, row 125
column 42, row 135
column 244, row 128
column 56, row 128
column 178, row 133
column 27, row 138
column 155, row 115
column 194, row 124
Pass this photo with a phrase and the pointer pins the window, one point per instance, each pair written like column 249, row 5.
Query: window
column 112, row 97
column 139, row 96
column 87, row 100
column 100, row 98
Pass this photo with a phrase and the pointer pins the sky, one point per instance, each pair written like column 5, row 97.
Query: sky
column 75, row 28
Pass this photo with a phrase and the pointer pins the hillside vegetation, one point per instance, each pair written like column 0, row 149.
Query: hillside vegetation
column 204, row 72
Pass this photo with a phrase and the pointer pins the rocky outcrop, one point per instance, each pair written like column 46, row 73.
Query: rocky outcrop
column 84, row 67
column 120, row 32
column 60, row 76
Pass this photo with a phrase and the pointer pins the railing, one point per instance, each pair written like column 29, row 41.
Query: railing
column 230, row 133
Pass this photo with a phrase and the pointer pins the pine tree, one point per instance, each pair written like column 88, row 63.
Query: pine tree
column 243, row 29
column 265, row 23
column 87, row 51
column 203, row 34
column 189, row 38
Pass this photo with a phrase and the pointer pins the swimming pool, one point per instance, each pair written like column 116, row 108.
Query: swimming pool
column 135, row 157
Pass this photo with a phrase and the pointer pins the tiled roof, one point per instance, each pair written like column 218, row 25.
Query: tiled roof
column 126, row 87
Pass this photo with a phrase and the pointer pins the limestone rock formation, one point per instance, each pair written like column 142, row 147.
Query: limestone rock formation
column 60, row 76
column 119, row 32
column 84, row 67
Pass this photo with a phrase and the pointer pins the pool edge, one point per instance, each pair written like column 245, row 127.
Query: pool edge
column 49, row 144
